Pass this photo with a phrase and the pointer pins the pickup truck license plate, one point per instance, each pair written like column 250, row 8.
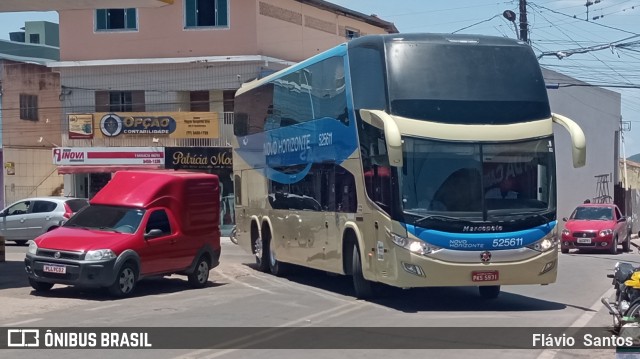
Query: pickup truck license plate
column 584, row 240
column 49, row 268
column 484, row 276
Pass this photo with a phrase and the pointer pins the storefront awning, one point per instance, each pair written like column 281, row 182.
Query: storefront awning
column 63, row 170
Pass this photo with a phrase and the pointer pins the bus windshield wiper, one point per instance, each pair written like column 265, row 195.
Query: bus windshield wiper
column 437, row 217
column 544, row 219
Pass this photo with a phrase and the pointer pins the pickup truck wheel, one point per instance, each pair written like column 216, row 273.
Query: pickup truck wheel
column 614, row 246
column 564, row 250
column 200, row 276
column 125, row 281
column 40, row 286
column 626, row 246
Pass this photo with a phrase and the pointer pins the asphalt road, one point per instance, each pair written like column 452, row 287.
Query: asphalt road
column 240, row 296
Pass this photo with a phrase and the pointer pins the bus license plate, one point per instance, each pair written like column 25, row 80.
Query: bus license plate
column 54, row 269
column 584, row 240
column 484, row 276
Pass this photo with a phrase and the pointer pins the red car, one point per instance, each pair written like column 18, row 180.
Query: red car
column 596, row 226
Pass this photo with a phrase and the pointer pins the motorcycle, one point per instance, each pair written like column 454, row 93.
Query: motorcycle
column 626, row 306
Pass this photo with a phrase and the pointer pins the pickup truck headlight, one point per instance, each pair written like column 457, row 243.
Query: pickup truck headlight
column 415, row 246
column 606, row 232
column 566, row 232
column 33, row 247
column 99, row 255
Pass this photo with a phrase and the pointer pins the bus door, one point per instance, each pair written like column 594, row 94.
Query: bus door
column 378, row 184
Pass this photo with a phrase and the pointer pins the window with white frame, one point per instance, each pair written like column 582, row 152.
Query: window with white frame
column 206, row 13
column 116, row 19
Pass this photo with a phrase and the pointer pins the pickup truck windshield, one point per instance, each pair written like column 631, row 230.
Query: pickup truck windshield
column 593, row 213
column 107, row 218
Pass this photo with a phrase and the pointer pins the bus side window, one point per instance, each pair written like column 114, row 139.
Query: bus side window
column 345, row 191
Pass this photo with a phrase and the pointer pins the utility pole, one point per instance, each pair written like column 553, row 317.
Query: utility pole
column 524, row 25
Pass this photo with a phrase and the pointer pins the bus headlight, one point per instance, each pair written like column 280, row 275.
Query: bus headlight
column 545, row 244
column 414, row 246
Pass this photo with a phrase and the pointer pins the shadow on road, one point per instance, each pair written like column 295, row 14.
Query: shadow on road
column 145, row 287
column 12, row 275
column 415, row 300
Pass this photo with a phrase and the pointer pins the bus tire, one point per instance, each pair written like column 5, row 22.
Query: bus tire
column 262, row 254
column 363, row 288
column 276, row 267
column 489, row 291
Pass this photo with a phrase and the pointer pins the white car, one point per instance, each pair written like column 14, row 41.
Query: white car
column 28, row 218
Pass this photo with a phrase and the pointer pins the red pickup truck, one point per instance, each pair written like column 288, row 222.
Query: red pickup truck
column 596, row 226
column 142, row 223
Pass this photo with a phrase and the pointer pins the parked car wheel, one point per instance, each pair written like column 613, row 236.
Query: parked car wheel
column 125, row 281
column 200, row 276
column 40, row 286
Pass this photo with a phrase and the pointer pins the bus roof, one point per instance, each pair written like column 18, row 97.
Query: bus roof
column 379, row 39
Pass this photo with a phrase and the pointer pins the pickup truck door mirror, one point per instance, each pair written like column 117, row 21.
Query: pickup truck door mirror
column 622, row 219
column 154, row 233
column 564, row 219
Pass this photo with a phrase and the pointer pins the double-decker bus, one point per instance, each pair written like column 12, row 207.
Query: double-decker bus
column 412, row 160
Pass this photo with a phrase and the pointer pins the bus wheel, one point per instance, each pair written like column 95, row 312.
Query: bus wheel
column 363, row 287
column 276, row 267
column 262, row 255
column 489, row 291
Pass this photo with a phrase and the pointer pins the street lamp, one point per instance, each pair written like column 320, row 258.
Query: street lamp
column 511, row 16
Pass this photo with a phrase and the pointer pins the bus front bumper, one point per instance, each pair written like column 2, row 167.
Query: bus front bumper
column 407, row 270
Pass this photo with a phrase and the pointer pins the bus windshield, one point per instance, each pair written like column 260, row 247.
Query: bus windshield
column 475, row 181
column 465, row 84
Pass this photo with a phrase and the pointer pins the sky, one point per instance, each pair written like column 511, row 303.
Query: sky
column 555, row 26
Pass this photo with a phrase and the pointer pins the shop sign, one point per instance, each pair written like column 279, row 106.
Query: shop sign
column 108, row 156
column 157, row 124
column 80, row 126
column 198, row 158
